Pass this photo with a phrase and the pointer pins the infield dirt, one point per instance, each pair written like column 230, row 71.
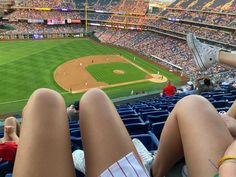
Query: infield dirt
column 73, row 76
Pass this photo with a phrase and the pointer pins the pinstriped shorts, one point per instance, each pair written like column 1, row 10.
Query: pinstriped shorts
column 128, row 166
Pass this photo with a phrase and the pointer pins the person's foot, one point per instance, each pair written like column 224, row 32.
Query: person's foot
column 79, row 161
column 204, row 55
column 145, row 155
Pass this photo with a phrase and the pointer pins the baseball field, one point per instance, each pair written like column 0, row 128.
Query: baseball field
column 71, row 66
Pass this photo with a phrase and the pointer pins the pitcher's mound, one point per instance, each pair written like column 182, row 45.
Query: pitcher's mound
column 119, row 72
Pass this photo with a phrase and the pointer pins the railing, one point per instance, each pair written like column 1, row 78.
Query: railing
column 42, row 36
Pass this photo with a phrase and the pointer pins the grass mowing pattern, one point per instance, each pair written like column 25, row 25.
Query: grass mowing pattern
column 104, row 72
column 29, row 65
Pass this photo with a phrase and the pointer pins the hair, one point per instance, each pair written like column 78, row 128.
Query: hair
column 207, row 82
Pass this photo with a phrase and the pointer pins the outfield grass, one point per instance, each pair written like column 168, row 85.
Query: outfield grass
column 28, row 65
column 104, row 72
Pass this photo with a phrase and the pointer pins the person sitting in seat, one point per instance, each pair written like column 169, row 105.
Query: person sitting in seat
column 169, row 89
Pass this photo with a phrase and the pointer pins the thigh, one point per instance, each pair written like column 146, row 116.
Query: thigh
column 204, row 135
column 104, row 136
column 44, row 147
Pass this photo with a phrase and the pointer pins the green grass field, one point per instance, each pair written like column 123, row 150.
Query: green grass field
column 29, row 65
column 104, row 72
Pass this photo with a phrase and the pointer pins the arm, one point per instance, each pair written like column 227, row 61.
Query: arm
column 232, row 110
column 228, row 168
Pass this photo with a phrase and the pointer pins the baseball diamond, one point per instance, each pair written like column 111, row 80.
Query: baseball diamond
column 37, row 66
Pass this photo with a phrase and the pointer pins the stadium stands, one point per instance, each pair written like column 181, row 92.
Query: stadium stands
column 145, row 119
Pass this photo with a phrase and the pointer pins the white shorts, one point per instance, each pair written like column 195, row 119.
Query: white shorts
column 128, row 166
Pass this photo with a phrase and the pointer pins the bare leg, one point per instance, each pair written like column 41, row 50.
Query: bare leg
column 44, row 147
column 194, row 129
column 104, row 136
column 227, row 58
column 232, row 110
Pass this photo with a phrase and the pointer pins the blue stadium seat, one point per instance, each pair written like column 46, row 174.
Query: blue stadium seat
column 233, row 92
column 157, row 128
column 153, row 113
column 5, row 168
column 1, row 134
column 149, row 142
column 137, row 128
column 132, row 120
column 129, row 116
column 230, row 98
column 121, row 113
column 229, row 103
column 146, row 110
column 73, row 121
column 74, row 125
column 170, row 108
column 219, row 104
column 223, row 109
column 9, row 175
column 76, row 143
column 75, row 133
column 79, row 174
column 218, row 97
column 155, row 119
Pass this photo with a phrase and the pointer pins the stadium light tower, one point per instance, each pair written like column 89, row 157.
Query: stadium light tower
column 86, row 16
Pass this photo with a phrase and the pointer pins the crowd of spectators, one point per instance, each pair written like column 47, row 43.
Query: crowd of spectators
column 35, row 14
column 204, row 32
column 220, row 19
column 226, row 6
column 48, row 4
column 132, row 7
column 26, row 28
column 169, row 49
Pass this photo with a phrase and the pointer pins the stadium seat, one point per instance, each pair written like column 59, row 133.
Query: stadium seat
column 219, row 104
column 79, row 174
column 76, row 143
column 75, row 133
column 146, row 110
column 137, row 128
column 153, row 113
column 155, row 119
column 233, row 92
column 223, row 109
column 149, row 142
column 170, row 108
column 132, row 120
column 5, row 168
column 157, row 128
column 121, row 113
column 1, row 134
column 230, row 98
column 74, row 125
column 218, row 97
column 129, row 116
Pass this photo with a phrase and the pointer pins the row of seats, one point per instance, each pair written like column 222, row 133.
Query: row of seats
column 145, row 119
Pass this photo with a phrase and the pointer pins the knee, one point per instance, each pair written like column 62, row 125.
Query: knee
column 47, row 97
column 92, row 97
column 44, row 100
column 192, row 102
